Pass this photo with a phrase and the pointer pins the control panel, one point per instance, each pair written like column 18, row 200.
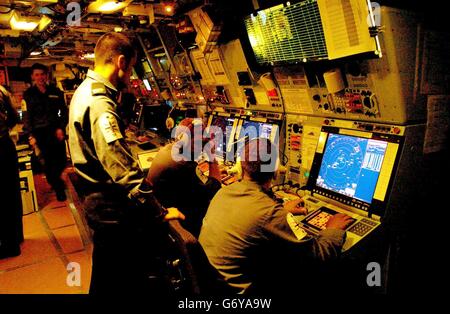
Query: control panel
column 302, row 134
column 294, row 140
column 349, row 101
column 319, row 212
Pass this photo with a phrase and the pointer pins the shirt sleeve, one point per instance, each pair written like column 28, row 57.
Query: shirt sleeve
column 327, row 245
column 111, row 148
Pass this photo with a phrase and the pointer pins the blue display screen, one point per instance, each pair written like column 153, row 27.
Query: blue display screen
column 351, row 166
column 254, row 129
column 225, row 124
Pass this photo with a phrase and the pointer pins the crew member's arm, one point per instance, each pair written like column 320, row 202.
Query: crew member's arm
column 281, row 227
column 214, row 177
column 212, row 184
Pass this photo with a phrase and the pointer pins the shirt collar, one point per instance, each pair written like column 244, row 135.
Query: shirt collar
column 99, row 78
column 251, row 184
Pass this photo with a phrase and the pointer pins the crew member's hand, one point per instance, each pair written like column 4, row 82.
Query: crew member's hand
column 296, row 207
column 210, row 150
column 32, row 141
column 339, row 221
column 60, row 136
column 173, row 213
column 214, row 170
column 142, row 138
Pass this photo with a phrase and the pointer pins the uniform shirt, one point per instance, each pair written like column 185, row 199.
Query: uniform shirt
column 8, row 116
column 247, row 238
column 181, row 184
column 98, row 149
column 44, row 110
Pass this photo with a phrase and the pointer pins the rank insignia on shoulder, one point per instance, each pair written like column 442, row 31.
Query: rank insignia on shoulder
column 109, row 127
column 98, row 89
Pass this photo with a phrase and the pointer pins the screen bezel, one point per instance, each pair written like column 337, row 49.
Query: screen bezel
column 376, row 206
column 274, row 136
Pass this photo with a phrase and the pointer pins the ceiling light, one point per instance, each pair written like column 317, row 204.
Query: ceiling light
column 35, row 53
column 88, row 55
column 19, row 22
column 107, row 6
column 168, row 8
column 44, row 22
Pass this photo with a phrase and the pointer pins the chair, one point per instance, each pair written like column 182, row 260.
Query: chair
column 190, row 271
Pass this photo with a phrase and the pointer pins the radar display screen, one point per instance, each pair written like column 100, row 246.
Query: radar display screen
column 351, row 166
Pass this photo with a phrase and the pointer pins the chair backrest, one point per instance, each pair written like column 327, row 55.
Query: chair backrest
column 191, row 273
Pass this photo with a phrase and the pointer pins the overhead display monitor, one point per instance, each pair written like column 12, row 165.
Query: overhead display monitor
column 312, row 30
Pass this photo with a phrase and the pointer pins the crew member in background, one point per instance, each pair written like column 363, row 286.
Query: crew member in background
column 247, row 235
column 129, row 232
column 11, row 228
column 45, row 121
column 181, row 183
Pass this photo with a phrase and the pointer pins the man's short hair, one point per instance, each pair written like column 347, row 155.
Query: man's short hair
column 259, row 159
column 190, row 123
column 111, row 45
column 39, row 66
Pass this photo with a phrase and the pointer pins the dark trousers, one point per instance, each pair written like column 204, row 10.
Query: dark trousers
column 128, row 254
column 11, row 228
column 54, row 155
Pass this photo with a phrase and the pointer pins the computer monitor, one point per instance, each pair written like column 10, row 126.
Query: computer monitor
column 227, row 125
column 355, row 168
column 178, row 114
column 250, row 129
column 154, row 119
column 136, row 115
column 147, row 84
column 254, row 129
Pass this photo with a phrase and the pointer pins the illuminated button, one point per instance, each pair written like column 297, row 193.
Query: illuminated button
column 396, row 130
column 369, row 222
column 360, row 229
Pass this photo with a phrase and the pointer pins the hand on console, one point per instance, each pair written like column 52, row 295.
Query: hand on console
column 296, row 207
column 339, row 221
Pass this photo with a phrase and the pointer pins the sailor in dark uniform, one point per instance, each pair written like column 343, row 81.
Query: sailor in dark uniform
column 45, row 121
column 127, row 221
column 11, row 228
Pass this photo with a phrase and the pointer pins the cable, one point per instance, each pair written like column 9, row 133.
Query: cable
column 283, row 123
